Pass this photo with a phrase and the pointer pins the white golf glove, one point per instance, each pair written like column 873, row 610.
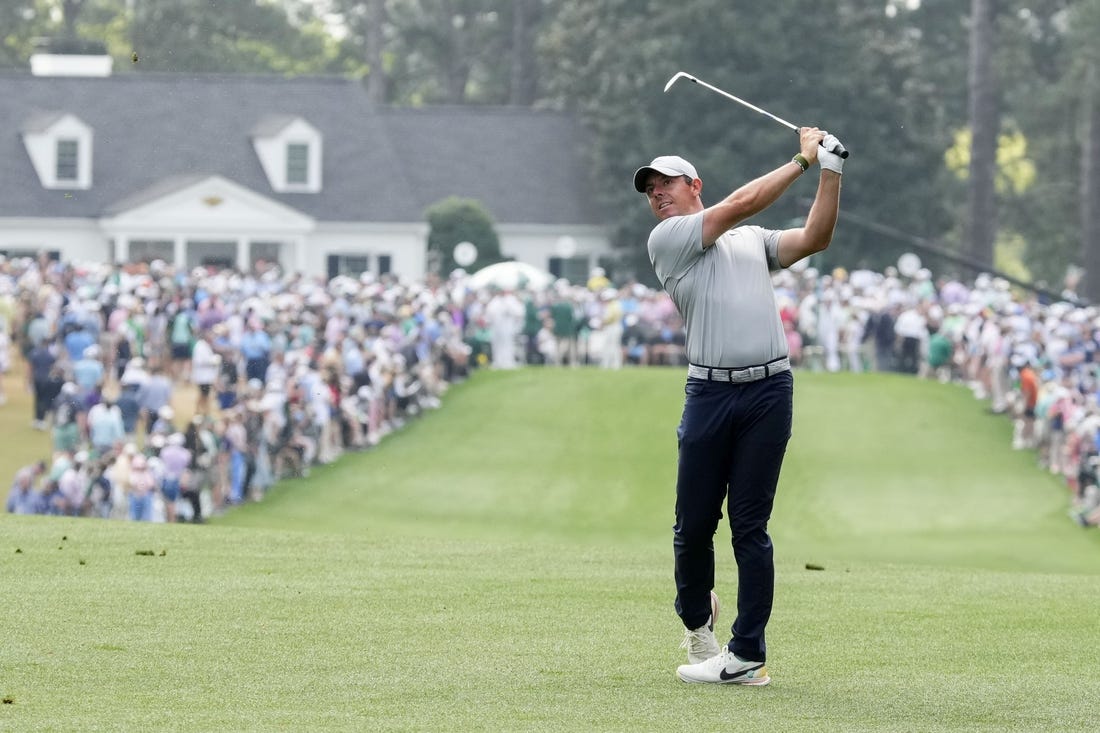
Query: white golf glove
column 829, row 160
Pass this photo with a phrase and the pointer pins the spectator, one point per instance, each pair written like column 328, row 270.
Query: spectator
column 1024, row 433
column 562, row 311
column 140, row 488
column 205, row 369
column 176, row 460
column 504, row 317
column 885, row 336
column 182, row 339
column 105, row 427
column 912, row 334
column 154, row 395
column 129, row 403
column 24, row 497
column 256, row 350
column 42, row 360
column 611, row 329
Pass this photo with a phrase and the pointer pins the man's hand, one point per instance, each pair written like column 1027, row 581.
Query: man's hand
column 829, row 160
column 809, row 140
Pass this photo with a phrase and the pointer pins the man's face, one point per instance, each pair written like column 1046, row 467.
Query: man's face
column 672, row 195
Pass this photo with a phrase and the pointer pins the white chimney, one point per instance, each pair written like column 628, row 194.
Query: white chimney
column 56, row 64
column 70, row 57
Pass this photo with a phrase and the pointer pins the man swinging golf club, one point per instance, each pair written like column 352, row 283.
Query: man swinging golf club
column 737, row 411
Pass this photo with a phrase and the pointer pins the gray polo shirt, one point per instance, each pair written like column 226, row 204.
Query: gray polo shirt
column 724, row 293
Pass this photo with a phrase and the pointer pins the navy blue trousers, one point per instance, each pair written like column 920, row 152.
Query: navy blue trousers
column 732, row 439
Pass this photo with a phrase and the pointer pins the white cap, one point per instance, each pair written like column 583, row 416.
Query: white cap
column 669, row 165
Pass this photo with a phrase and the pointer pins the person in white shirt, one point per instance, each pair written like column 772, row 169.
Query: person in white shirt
column 205, row 367
column 505, row 316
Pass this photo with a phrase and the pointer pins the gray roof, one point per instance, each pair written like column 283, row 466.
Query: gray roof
column 155, row 132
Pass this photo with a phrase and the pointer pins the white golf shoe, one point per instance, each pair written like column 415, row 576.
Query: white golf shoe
column 701, row 643
column 725, row 668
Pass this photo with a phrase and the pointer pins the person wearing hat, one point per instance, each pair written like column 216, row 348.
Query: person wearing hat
column 205, row 368
column 139, row 489
column 154, row 394
column 256, row 350
column 611, row 329
column 88, row 371
column 175, row 459
column 42, row 360
column 737, row 413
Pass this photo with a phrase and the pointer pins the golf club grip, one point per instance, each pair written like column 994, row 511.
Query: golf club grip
column 840, row 150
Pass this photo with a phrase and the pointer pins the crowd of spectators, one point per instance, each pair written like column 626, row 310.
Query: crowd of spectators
column 172, row 394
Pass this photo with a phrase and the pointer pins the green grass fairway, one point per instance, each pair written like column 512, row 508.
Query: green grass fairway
column 504, row 564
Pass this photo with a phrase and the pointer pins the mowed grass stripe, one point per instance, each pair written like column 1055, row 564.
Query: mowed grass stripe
column 522, row 453
column 394, row 591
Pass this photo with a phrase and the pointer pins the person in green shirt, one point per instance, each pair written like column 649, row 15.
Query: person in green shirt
column 940, row 350
column 565, row 327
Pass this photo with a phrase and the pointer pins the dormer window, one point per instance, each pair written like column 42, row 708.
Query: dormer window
column 290, row 151
column 68, row 160
column 59, row 145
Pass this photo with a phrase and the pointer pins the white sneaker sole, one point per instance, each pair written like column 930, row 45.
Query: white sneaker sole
column 746, row 682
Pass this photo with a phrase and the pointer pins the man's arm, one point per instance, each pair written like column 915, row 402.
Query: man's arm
column 758, row 194
column 795, row 244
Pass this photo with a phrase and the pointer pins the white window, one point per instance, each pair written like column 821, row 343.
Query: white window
column 351, row 265
column 59, row 146
column 147, row 250
column 290, row 151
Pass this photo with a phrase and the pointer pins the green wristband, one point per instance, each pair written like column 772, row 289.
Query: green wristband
column 801, row 161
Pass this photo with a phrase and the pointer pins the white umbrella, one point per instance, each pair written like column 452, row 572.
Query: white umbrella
column 512, row 276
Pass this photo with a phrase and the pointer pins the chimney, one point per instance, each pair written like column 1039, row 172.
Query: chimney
column 70, row 57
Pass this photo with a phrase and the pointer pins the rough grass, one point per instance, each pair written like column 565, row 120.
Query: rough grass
column 504, row 564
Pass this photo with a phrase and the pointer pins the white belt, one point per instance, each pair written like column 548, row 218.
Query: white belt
column 742, row 374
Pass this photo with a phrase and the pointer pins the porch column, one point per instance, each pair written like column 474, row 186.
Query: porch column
column 179, row 252
column 122, row 250
column 300, row 255
column 244, row 255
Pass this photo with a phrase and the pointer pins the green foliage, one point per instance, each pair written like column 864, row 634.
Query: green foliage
column 454, row 220
column 239, row 37
column 1015, row 169
column 21, row 22
column 889, row 77
column 884, row 119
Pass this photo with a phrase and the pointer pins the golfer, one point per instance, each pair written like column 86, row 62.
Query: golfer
column 737, row 412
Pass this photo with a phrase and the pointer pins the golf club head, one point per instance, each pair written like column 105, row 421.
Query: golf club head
column 677, row 77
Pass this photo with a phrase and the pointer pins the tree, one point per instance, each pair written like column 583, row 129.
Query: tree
column 449, row 51
column 22, row 21
column 454, row 220
column 524, row 77
column 185, row 35
column 984, row 125
column 1090, row 181
column 1034, row 58
column 899, row 81
column 1085, row 23
column 375, row 50
column 862, row 80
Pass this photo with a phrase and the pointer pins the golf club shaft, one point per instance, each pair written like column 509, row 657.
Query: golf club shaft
column 837, row 149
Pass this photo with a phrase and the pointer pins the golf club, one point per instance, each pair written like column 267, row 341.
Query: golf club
column 837, row 149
